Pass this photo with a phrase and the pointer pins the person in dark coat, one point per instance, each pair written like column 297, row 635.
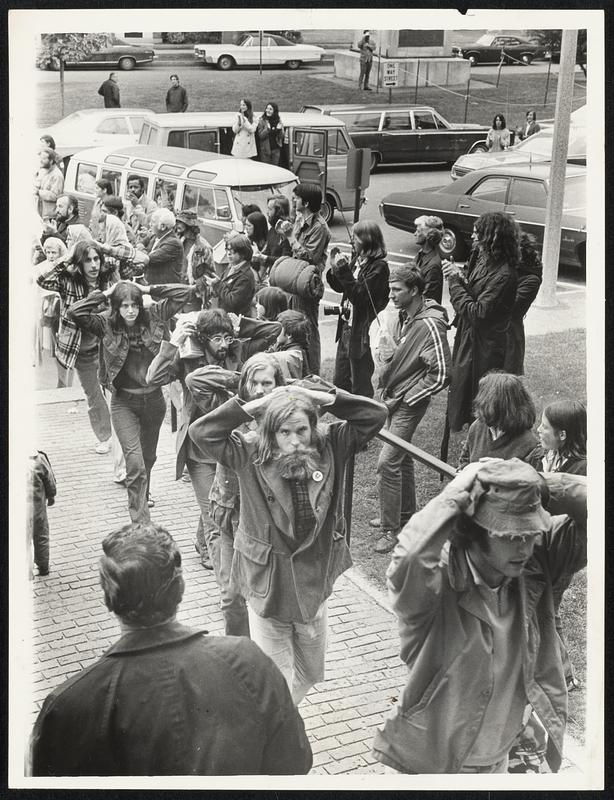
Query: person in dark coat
column 166, row 699
column 429, row 232
column 164, row 262
column 483, row 298
column 109, row 91
column 529, row 281
column 277, row 245
column 505, row 415
column 363, row 280
column 41, row 492
column 176, row 97
column 234, row 291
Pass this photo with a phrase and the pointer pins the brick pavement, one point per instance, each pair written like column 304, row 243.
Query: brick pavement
column 72, row 627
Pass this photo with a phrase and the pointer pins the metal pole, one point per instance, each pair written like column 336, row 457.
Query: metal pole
column 348, row 492
column 62, row 84
column 357, row 204
column 260, row 38
column 547, row 81
column 379, row 67
column 499, row 70
column 416, row 452
column 467, row 95
column 390, row 95
column 560, row 141
column 416, row 88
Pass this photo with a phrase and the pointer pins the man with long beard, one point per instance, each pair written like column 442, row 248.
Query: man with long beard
column 290, row 545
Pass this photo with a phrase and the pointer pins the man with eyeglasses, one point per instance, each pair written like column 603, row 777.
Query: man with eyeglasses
column 214, row 345
column 473, row 581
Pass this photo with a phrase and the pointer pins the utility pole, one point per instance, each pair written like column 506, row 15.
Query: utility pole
column 546, row 297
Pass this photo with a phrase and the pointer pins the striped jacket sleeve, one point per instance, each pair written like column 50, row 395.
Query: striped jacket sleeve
column 435, row 356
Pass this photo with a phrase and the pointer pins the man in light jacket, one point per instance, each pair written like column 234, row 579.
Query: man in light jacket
column 290, row 542
column 415, row 365
column 473, row 582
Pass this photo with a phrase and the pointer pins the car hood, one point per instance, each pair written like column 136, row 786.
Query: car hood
column 474, row 161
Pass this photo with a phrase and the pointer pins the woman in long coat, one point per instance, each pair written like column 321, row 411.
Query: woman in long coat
column 483, row 298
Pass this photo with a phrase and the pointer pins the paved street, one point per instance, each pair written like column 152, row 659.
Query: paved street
column 72, row 627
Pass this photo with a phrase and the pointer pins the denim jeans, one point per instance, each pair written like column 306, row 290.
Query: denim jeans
column 298, row 648
column 137, row 419
column 365, row 71
column 232, row 602
column 86, row 366
column 395, row 469
column 353, row 374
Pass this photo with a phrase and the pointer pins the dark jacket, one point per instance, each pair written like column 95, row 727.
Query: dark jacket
column 479, row 444
column 447, row 643
column 109, row 91
column 170, row 700
column 529, row 281
column 429, row 264
column 278, row 579
column 573, row 465
column 277, row 245
column 235, row 291
column 92, row 314
column 483, row 303
column 176, row 99
column 368, row 294
column 166, row 367
column 165, row 260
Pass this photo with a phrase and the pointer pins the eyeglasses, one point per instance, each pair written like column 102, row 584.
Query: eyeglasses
column 219, row 339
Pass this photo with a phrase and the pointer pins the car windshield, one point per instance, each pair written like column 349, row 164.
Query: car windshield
column 540, row 144
column 259, row 195
column 574, row 201
column 486, row 39
column 242, row 39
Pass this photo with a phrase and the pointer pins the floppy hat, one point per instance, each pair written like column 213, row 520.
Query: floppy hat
column 511, row 503
column 188, row 218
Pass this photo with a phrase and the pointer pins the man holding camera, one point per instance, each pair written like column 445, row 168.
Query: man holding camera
column 415, row 358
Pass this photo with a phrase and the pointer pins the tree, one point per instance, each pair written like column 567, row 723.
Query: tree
column 551, row 40
column 58, row 48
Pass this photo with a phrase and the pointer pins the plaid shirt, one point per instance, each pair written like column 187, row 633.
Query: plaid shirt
column 70, row 290
column 304, row 518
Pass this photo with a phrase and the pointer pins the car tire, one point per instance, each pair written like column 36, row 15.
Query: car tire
column 226, row 63
column 376, row 160
column 126, row 63
column 472, row 59
column 527, row 58
column 327, row 210
column 481, row 147
column 452, row 245
column 293, row 64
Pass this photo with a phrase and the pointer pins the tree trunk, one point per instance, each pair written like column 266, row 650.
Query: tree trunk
column 62, row 86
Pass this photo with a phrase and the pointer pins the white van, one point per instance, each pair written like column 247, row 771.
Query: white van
column 315, row 146
column 214, row 186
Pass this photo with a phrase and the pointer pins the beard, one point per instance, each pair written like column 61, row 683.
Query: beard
column 299, row 465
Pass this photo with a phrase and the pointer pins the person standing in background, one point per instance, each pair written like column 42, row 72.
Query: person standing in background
column 529, row 280
column 270, row 133
column 48, row 182
column 498, row 137
column 429, row 232
column 366, row 47
column 244, row 129
column 109, row 91
column 176, row 97
column 531, row 125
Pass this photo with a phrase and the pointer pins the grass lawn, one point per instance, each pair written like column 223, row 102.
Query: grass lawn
column 212, row 90
column 548, row 358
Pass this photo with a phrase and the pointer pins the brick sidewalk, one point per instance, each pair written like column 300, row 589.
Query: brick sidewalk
column 73, row 627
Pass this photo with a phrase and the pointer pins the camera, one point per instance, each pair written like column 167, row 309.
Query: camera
column 329, row 311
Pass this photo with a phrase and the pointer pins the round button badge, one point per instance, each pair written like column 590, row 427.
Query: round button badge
column 317, row 476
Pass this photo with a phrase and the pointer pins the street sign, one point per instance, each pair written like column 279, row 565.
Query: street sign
column 390, row 75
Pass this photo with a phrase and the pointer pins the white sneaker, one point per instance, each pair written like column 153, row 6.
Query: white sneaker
column 102, row 448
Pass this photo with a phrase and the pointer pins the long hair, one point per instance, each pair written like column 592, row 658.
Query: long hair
column 249, row 113
column 499, row 237
column 261, row 228
column 530, row 260
column 495, row 118
column 372, row 238
column 274, row 118
column 503, row 402
column 239, row 243
column 273, row 300
column 569, row 416
column 256, row 363
column 125, row 290
column 278, row 410
column 77, row 260
column 140, row 574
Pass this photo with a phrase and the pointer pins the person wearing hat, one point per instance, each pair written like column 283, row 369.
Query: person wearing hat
column 472, row 582
column 197, row 252
column 429, row 232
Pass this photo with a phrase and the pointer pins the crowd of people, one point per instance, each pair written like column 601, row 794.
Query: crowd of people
column 477, row 574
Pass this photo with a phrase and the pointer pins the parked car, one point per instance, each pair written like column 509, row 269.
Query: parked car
column 316, row 147
column 276, row 51
column 487, row 50
column 518, row 189
column 212, row 185
column 96, row 127
column 118, row 54
column 534, row 149
column 405, row 134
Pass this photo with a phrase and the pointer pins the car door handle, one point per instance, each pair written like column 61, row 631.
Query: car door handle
column 511, row 213
column 463, row 205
